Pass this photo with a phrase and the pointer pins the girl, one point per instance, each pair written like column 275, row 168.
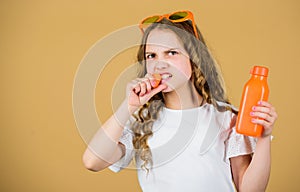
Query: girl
column 181, row 134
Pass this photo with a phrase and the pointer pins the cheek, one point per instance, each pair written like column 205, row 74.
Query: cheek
column 149, row 68
column 186, row 68
column 189, row 71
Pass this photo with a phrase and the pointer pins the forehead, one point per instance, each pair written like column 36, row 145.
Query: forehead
column 163, row 38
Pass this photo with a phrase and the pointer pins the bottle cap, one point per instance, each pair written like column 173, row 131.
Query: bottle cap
column 259, row 70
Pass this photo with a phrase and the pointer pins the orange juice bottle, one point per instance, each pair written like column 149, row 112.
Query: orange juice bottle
column 256, row 89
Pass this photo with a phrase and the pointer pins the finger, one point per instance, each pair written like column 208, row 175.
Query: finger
column 264, row 104
column 143, row 88
column 269, row 110
column 272, row 110
column 264, row 116
column 148, row 85
column 139, row 79
column 157, row 90
column 133, row 85
column 266, row 125
column 151, row 80
column 149, row 76
column 147, row 80
column 136, row 87
column 262, row 122
column 261, row 109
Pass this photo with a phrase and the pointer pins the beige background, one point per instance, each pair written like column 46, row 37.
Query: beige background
column 43, row 42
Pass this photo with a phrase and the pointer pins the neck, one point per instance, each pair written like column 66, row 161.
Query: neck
column 185, row 97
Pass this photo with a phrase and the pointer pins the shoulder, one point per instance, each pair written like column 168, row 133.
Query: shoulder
column 225, row 114
column 223, row 104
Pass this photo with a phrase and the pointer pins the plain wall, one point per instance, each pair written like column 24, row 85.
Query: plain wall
column 43, row 42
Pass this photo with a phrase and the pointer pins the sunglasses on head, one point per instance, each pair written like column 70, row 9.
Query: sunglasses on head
column 176, row 17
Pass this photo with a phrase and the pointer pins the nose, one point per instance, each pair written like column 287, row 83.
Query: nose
column 160, row 65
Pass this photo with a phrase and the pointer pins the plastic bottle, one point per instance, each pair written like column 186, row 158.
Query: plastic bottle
column 256, row 89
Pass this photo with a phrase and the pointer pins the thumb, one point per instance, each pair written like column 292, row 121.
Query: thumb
column 157, row 90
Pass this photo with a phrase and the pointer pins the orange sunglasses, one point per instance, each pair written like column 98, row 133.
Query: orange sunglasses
column 176, row 17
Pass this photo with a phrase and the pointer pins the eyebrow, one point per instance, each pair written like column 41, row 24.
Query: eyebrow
column 171, row 49
column 149, row 52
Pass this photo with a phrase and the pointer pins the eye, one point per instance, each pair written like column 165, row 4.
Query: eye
column 150, row 56
column 172, row 52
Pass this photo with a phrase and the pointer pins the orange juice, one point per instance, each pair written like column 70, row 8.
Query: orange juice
column 256, row 89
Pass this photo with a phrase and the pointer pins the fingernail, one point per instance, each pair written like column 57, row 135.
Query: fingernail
column 260, row 102
column 253, row 120
column 252, row 113
column 253, row 107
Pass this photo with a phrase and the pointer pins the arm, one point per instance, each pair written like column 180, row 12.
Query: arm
column 253, row 174
column 104, row 149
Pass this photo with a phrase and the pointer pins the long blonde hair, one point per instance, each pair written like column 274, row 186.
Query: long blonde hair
column 206, row 77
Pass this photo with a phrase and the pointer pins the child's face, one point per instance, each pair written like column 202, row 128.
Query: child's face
column 166, row 55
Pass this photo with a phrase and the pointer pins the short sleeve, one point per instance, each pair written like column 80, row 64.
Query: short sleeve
column 126, row 140
column 238, row 144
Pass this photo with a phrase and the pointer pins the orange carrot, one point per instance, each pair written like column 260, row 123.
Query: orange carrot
column 156, row 81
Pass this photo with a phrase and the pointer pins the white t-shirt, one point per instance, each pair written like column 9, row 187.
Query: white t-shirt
column 190, row 151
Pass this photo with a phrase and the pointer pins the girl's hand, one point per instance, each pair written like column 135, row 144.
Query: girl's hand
column 141, row 90
column 267, row 116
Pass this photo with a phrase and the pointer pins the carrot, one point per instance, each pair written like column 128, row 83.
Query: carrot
column 156, row 81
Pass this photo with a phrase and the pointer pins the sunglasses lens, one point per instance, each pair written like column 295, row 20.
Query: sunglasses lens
column 148, row 21
column 151, row 20
column 178, row 15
